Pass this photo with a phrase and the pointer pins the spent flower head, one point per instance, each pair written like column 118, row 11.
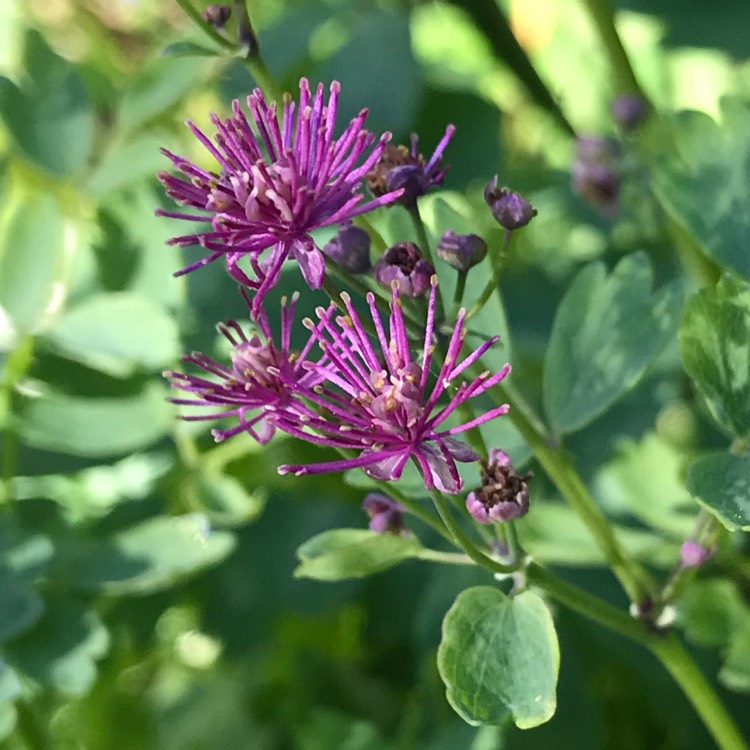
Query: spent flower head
column 350, row 248
column 511, row 210
column 594, row 172
column 401, row 168
column 264, row 378
column 380, row 401
column 461, row 251
column 404, row 264
column 504, row 493
column 386, row 515
column 278, row 179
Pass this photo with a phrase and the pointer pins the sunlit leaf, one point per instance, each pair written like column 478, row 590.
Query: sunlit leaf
column 607, row 331
column 499, row 656
column 721, row 482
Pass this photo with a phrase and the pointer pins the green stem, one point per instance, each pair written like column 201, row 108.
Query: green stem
column 707, row 704
column 562, row 473
column 424, row 244
column 449, row 558
column 462, row 540
column 458, row 294
column 601, row 14
column 260, row 72
column 497, row 267
column 204, row 25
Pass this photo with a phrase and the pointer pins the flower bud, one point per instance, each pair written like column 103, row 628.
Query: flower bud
column 504, row 493
column 510, row 209
column 629, row 111
column 594, row 172
column 461, row 251
column 386, row 515
column 350, row 248
column 404, row 264
column 693, row 555
column 217, row 15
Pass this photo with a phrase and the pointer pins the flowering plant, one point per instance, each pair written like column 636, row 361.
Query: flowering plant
column 488, row 382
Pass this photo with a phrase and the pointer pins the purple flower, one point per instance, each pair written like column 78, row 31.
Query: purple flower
column 386, row 515
column 263, row 380
column 402, row 169
column 504, row 493
column 403, row 263
column 378, row 400
column 276, row 184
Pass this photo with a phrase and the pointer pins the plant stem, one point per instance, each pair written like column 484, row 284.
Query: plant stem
column 458, row 294
column 204, row 25
column 601, row 14
column 707, row 704
column 424, row 244
column 462, row 540
column 450, row 558
column 562, row 473
column 492, row 284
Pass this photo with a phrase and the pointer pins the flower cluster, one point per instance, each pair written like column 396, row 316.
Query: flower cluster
column 360, row 385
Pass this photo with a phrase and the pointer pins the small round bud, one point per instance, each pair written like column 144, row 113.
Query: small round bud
column 594, row 172
column 629, row 111
column 461, row 251
column 693, row 555
column 510, row 209
column 386, row 515
column 504, row 493
column 404, row 264
column 350, row 248
column 217, row 15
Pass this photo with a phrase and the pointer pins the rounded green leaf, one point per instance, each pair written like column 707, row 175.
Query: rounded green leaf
column 117, row 333
column 703, row 186
column 96, row 427
column 339, row 554
column 225, row 500
column 721, row 483
column 149, row 557
column 61, row 651
column 607, row 331
column 715, row 344
column 31, row 252
column 49, row 116
column 499, row 655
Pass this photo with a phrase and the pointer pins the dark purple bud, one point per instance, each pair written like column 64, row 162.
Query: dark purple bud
column 594, row 172
column 504, row 493
column 217, row 15
column 411, row 178
column 350, row 248
column 404, row 264
column 462, row 251
column 693, row 555
column 386, row 515
column 629, row 110
column 510, row 209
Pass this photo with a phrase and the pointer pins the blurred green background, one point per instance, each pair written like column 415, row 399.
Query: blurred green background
column 146, row 589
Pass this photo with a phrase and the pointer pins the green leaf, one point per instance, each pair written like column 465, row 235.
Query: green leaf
column 150, row 556
column 339, row 554
column 703, row 186
column 31, row 259
column 715, row 344
column 10, row 689
column 500, row 655
column 96, row 427
column 49, row 116
column 646, row 478
column 61, row 651
column 721, row 483
column 21, row 608
column 607, row 331
column 117, row 333
column 226, row 501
